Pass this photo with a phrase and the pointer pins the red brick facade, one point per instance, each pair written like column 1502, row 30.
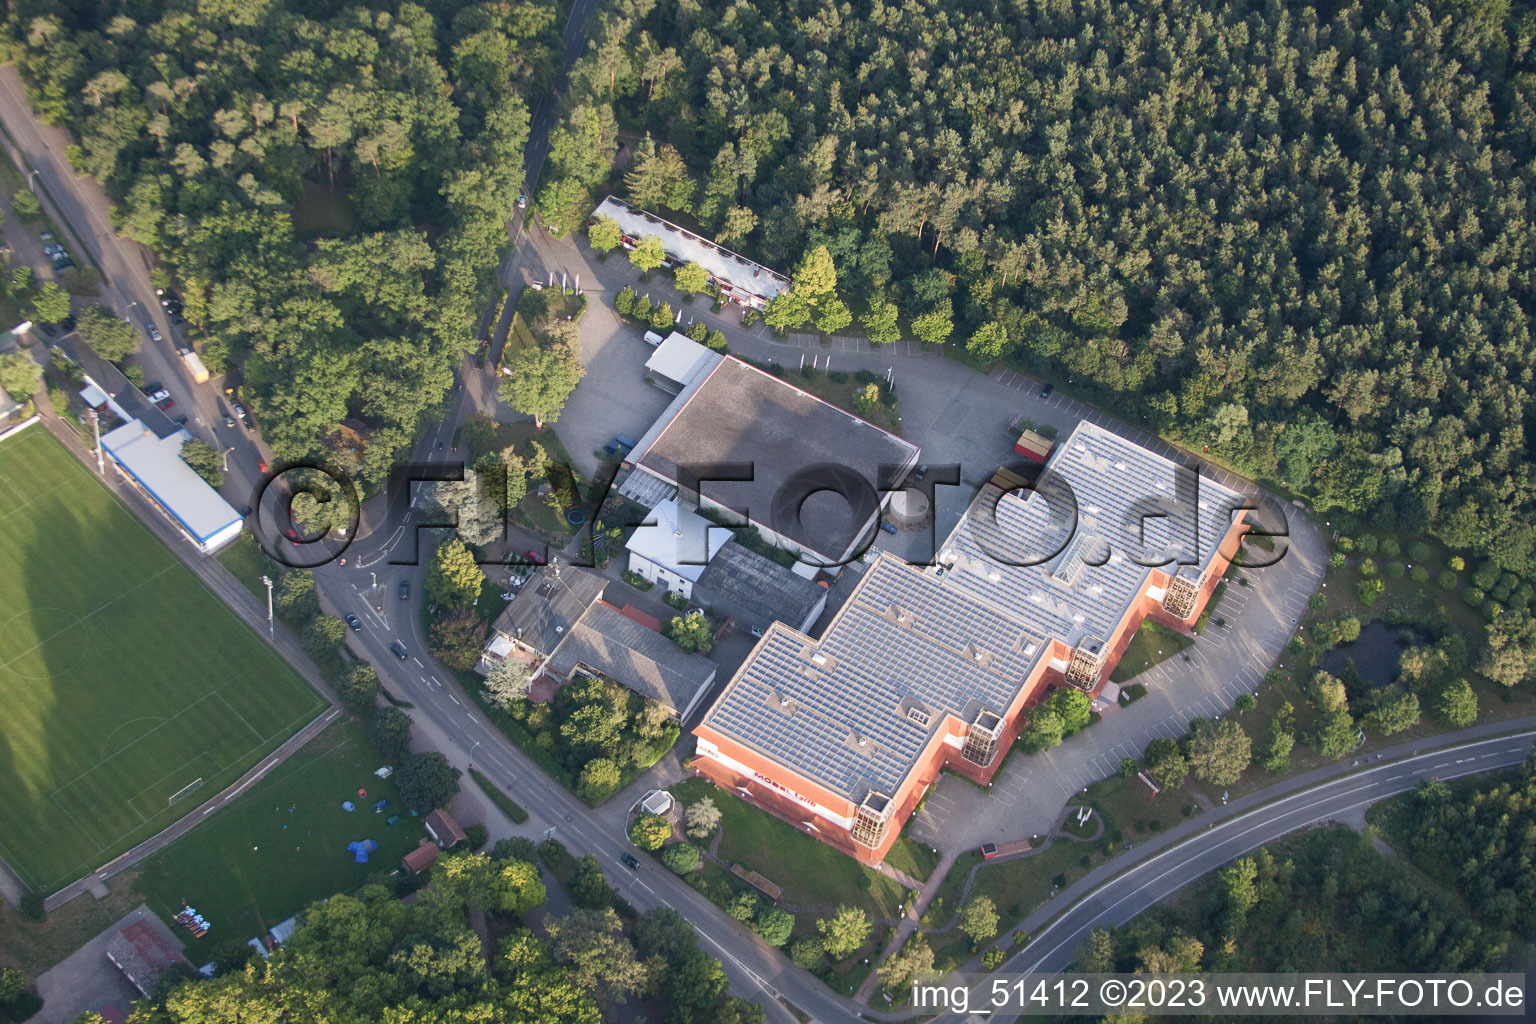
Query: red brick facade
column 938, row 755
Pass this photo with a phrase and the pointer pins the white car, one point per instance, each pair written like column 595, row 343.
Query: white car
column 653, row 339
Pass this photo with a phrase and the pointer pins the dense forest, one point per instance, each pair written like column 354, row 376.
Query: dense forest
column 1325, row 900
column 327, row 184
column 463, row 952
column 1478, row 837
column 1299, row 235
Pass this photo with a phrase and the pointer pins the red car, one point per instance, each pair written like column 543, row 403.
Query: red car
column 534, row 557
column 261, row 464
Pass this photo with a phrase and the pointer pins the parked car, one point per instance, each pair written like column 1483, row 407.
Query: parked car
column 629, row 861
column 154, row 332
column 1045, row 392
column 245, row 511
column 229, row 420
column 165, row 403
column 239, row 409
column 405, row 590
column 181, row 421
column 653, row 339
column 887, row 526
column 398, row 650
column 54, row 250
column 354, row 622
column 922, row 471
column 534, row 557
column 46, row 236
column 261, row 464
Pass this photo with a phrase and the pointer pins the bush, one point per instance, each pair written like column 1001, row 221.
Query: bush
column 1128, row 767
column 1448, row 580
column 1418, row 551
column 680, row 858
column 1317, row 602
column 624, row 301
column 1456, row 563
column 1345, row 543
column 1366, row 545
column 697, row 331
column 675, row 600
column 1396, row 570
column 808, row 953
column 476, row 835
column 598, row 780
column 1486, row 577
column 1390, row 547
column 1020, row 936
column 650, row 831
column 1473, row 596
column 662, row 318
column 716, row 341
column 1337, row 561
column 993, row 958
column 1369, row 590
column 1419, row 574
column 1367, row 567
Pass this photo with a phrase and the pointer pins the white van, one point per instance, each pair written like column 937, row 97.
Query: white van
column 653, row 339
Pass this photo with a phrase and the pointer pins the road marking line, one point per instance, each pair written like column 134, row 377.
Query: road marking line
column 453, row 698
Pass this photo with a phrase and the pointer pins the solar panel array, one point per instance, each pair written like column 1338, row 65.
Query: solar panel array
column 957, row 640
column 845, row 723
column 1132, row 511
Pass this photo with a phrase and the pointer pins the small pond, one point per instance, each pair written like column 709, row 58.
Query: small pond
column 1371, row 661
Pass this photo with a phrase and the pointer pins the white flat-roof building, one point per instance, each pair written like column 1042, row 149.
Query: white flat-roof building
column 673, row 546
column 739, row 279
column 678, row 361
column 155, row 466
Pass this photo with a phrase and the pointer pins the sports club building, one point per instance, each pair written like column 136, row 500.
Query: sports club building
column 927, row 668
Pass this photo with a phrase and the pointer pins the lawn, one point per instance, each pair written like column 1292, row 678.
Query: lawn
column 131, row 693
column 283, row 844
column 1152, row 643
column 810, row 872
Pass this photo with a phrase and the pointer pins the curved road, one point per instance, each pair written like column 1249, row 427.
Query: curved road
column 1114, row 901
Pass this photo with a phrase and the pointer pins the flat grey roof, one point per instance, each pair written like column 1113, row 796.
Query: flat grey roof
column 760, row 584
column 741, row 415
column 549, row 604
column 157, row 466
column 959, row 638
column 679, row 358
column 611, row 644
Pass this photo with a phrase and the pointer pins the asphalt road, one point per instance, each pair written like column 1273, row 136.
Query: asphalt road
column 1118, row 900
column 125, row 288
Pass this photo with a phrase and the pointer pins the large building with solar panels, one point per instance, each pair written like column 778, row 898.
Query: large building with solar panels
column 927, row 668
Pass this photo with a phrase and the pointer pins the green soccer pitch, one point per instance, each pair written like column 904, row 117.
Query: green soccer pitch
column 129, row 693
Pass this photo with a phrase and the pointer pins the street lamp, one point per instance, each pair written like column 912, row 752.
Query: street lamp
column 375, row 580
column 271, row 634
column 226, row 457
column 472, row 754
